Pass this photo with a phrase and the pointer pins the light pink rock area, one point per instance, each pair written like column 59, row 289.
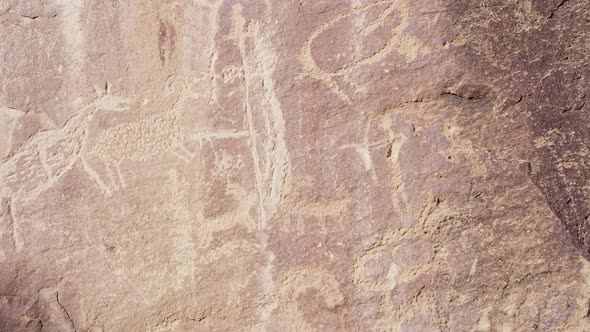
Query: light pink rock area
column 315, row 165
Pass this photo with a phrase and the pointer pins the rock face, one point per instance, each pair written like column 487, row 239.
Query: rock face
column 361, row 165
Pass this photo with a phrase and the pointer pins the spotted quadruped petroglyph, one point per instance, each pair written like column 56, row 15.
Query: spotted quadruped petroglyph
column 145, row 139
column 139, row 140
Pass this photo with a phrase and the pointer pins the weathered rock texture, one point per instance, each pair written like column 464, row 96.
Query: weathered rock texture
column 362, row 165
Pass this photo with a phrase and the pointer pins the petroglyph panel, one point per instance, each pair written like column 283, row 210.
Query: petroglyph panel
column 349, row 165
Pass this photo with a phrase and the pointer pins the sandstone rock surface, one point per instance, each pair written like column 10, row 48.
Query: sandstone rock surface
column 296, row 165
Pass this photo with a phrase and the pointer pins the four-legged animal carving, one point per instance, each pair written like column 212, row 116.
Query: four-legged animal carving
column 139, row 140
column 44, row 158
column 146, row 139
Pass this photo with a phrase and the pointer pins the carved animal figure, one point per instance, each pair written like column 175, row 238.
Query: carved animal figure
column 41, row 161
column 139, row 140
column 145, row 139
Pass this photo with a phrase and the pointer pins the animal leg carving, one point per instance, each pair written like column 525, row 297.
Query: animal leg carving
column 95, row 177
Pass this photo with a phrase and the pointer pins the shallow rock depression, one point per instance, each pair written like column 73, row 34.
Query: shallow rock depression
column 314, row 165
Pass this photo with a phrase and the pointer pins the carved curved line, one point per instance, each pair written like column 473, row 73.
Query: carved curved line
column 312, row 69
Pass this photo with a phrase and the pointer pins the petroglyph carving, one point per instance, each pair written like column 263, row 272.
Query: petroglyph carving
column 48, row 155
column 365, row 148
column 328, row 215
column 269, row 149
column 8, row 120
column 139, row 140
column 7, row 218
column 240, row 217
column 377, row 269
column 400, row 41
column 294, row 165
column 267, row 145
column 297, row 282
column 207, row 136
column 42, row 160
column 229, row 250
column 145, row 139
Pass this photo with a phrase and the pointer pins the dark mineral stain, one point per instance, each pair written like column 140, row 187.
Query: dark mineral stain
column 166, row 41
column 547, row 66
